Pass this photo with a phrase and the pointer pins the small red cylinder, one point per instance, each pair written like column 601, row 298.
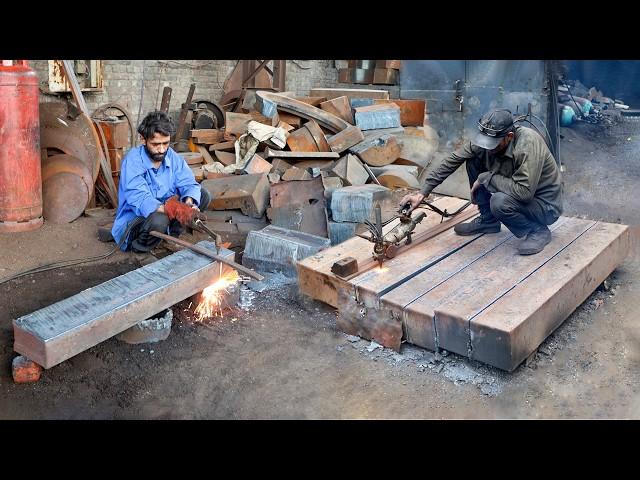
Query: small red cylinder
column 20, row 175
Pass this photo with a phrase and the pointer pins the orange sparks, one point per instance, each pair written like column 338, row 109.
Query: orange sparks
column 214, row 295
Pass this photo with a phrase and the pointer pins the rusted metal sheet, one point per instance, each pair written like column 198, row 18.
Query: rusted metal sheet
column 269, row 153
column 116, row 132
column 70, row 134
column 300, row 206
column 71, row 326
column 355, row 75
column 331, row 93
column 411, row 111
column 377, row 151
column 315, row 101
column 64, row 197
column 249, row 193
column 345, row 139
column 309, row 138
column 385, row 76
column 340, row 107
column 67, row 187
column 395, row 64
column 270, row 102
column 257, row 164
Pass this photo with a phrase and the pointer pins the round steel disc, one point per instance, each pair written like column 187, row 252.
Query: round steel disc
column 67, row 163
column 64, row 197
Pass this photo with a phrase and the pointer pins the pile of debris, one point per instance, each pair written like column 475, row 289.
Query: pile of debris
column 314, row 165
column 577, row 103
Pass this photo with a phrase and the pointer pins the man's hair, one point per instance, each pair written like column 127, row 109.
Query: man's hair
column 156, row 122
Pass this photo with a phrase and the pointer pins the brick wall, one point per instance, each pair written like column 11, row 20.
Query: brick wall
column 126, row 81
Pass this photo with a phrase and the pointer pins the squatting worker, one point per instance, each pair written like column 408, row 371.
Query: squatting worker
column 154, row 181
column 514, row 180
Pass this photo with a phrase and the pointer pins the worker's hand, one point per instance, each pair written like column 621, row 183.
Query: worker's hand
column 185, row 214
column 414, row 199
column 189, row 201
column 474, row 188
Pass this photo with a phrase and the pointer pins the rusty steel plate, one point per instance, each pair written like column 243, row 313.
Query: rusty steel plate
column 318, row 136
column 75, row 136
column 67, row 163
column 64, row 197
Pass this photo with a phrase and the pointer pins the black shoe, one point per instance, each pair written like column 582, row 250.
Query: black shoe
column 104, row 235
column 478, row 225
column 536, row 241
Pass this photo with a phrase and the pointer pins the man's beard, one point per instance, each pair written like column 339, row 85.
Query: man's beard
column 156, row 157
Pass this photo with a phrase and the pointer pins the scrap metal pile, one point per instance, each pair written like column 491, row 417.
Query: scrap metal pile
column 309, row 163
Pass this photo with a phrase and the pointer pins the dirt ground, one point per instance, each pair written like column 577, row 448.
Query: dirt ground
column 283, row 358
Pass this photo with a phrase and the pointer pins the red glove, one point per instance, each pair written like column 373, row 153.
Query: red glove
column 185, row 214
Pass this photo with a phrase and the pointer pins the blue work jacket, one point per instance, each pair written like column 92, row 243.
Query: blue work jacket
column 143, row 189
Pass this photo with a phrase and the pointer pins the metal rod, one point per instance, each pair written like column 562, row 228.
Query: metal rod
column 207, row 253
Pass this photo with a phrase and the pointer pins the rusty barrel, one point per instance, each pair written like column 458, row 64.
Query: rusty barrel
column 20, row 174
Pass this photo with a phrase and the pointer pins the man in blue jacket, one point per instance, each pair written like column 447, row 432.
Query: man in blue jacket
column 151, row 174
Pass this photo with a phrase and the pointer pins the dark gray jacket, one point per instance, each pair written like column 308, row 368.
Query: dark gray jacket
column 526, row 169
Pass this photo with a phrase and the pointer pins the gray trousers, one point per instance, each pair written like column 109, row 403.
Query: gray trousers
column 519, row 217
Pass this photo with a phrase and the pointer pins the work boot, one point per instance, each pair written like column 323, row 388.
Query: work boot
column 536, row 240
column 481, row 224
column 104, row 234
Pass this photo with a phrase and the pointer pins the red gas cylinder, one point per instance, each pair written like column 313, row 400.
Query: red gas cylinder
column 20, row 177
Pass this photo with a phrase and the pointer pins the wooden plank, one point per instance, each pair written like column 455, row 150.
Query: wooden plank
column 411, row 111
column 510, row 330
column 66, row 328
column 490, row 277
column 340, row 107
column 331, row 93
column 315, row 277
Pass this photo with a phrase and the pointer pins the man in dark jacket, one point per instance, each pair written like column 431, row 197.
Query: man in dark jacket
column 514, row 180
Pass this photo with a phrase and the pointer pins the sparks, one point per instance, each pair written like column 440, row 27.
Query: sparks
column 214, row 295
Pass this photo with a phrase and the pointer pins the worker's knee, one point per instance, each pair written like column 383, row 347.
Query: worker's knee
column 157, row 221
column 205, row 199
column 500, row 204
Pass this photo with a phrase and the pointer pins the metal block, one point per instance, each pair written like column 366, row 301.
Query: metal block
column 66, row 328
column 278, row 249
